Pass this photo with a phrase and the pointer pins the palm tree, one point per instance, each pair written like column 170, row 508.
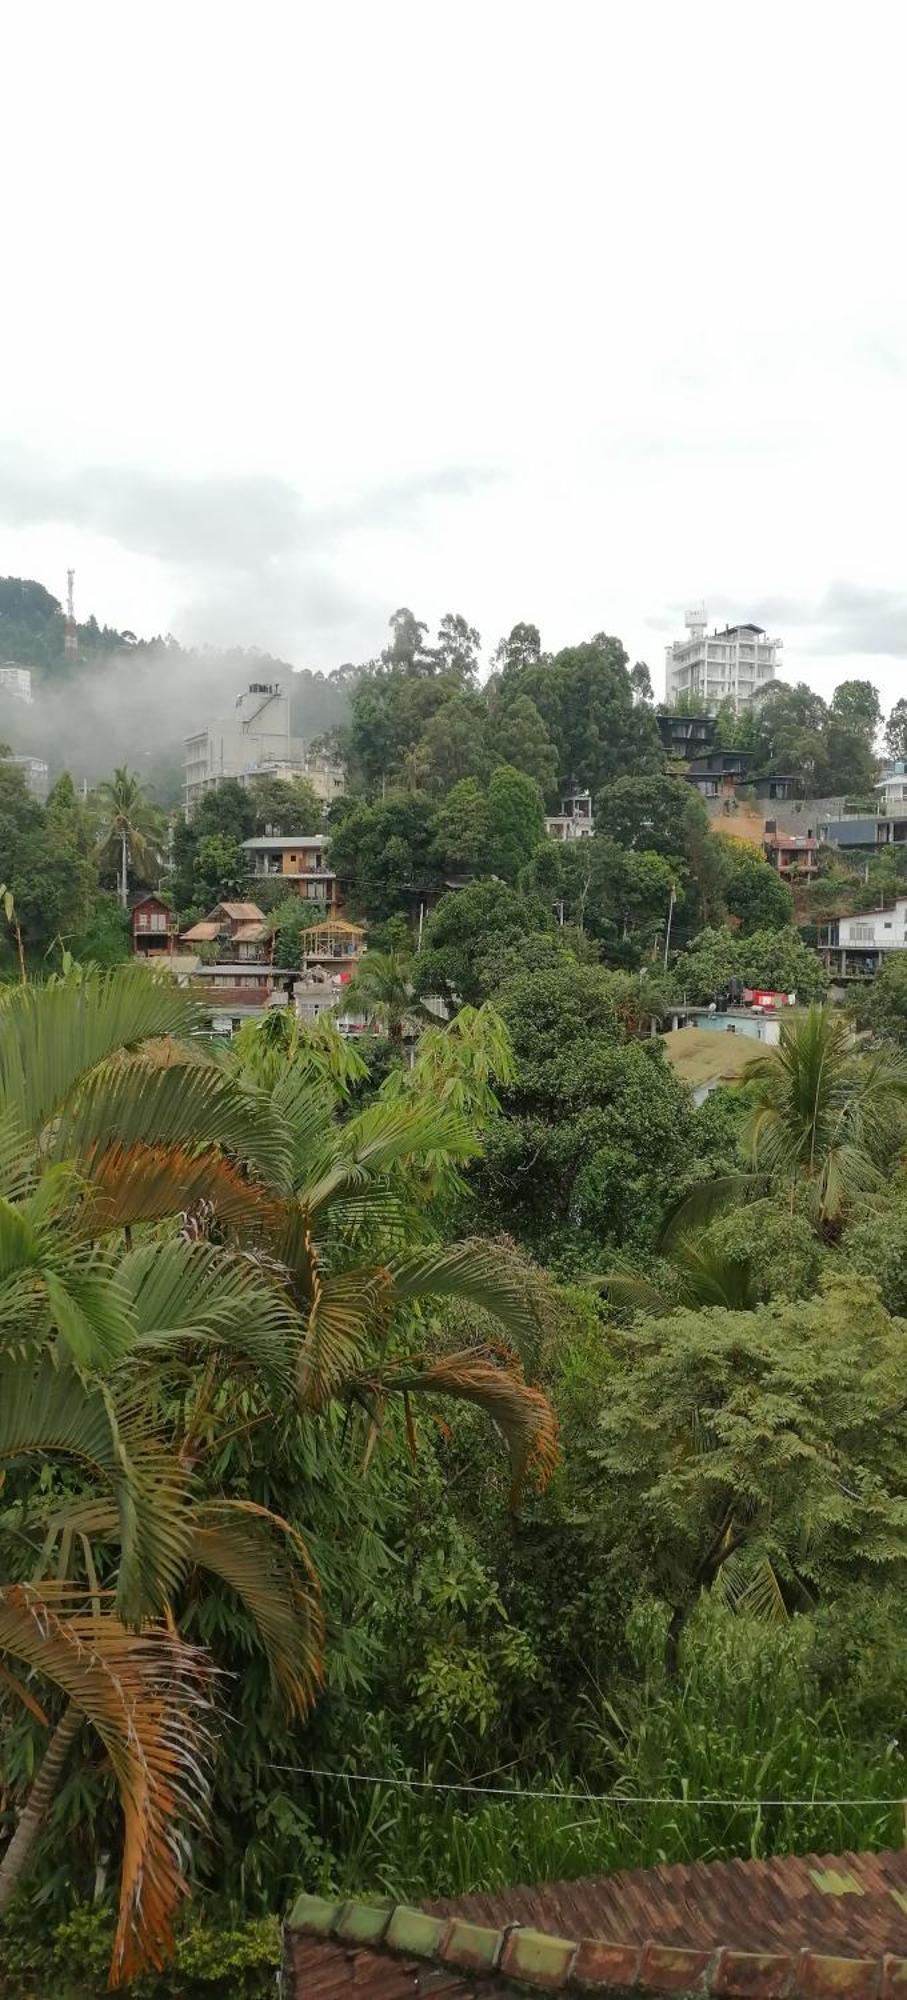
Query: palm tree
column 703, row 1276
column 382, row 987
column 825, row 1113
column 293, row 1263
column 825, row 1116
column 127, row 836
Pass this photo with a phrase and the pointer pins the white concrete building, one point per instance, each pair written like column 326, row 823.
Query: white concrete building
column 853, row 947
column 575, row 819
column 254, row 742
column 35, row 772
column 710, row 668
column 892, row 789
column 16, row 680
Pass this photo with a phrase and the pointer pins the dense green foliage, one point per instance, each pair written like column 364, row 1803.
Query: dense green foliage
column 315, row 1308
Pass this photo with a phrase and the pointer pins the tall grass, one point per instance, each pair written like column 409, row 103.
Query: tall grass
column 745, row 1723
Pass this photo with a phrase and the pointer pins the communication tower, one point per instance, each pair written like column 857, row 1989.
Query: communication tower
column 71, row 640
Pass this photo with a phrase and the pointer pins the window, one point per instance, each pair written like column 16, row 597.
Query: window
column 862, row 933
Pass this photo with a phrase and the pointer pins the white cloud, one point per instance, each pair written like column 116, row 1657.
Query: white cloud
column 573, row 314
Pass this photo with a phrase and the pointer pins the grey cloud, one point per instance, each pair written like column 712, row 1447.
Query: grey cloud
column 850, row 618
column 215, row 521
column 302, row 608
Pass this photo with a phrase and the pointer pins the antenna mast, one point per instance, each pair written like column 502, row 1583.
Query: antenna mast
column 71, row 640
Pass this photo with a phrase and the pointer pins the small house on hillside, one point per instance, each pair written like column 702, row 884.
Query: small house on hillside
column 686, row 736
column 299, row 861
column 791, row 853
column 854, row 947
column 153, row 925
column 334, row 945
column 574, row 821
column 718, row 774
column 237, row 930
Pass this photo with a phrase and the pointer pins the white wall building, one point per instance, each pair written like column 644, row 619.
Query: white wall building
column 892, row 789
column 16, row 680
column 575, row 819
column 254, row 742
column 853, row 947
column 709, row 668
column 34, row 771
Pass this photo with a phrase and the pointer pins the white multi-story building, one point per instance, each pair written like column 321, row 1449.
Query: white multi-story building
column 34, row 770
column 16, row 680
column 892, row 789
column 255, row 742
column 710, row 668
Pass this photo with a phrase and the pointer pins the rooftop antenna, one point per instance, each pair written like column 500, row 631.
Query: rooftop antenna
column 71, row 640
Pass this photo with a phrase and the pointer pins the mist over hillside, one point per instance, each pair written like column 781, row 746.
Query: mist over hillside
column 126, row 700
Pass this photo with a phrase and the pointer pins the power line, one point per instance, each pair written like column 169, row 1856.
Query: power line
column 569, row 1798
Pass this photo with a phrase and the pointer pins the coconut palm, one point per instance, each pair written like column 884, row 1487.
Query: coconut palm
column 127, row 836
column 824, row 1113
column 825, row 1116
column 703, row 1275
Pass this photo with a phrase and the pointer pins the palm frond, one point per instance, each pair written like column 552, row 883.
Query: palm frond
column 147, row 1695
column 522, row 1414
column 146, row 1183
column 16, row 1171
column 470, row 1271
column 48, row 1411
column 182, row 1292
column 90, row 1310
column 346, row 1311
column 265, row 1561
column 51, row 1036
column 711, row 1276
column 138, row 1100
column 751, row 1587
column 383, row 1136
column 707, row 1199
column 633, row 1291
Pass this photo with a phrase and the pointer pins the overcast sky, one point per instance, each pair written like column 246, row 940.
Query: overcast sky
column 569, row 312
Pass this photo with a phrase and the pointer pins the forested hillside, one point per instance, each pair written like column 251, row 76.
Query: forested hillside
column 385, row 1425
column 124, row 698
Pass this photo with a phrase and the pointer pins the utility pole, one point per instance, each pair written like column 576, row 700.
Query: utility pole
column 668, row 927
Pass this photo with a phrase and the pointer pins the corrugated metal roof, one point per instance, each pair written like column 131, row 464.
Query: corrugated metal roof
column 201, row 934
column 242, row 913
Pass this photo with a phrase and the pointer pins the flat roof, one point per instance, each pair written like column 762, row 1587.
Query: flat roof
column 263, row 842
column 710, row 1055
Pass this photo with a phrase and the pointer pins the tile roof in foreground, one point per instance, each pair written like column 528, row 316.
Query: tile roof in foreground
column 791, row 1928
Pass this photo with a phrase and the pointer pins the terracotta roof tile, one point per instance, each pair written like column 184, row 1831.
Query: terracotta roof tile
column 792, row 1928
column 850, row 1902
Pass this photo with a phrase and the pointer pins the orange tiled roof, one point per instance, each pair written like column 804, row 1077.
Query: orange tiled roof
column 790, row 1928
